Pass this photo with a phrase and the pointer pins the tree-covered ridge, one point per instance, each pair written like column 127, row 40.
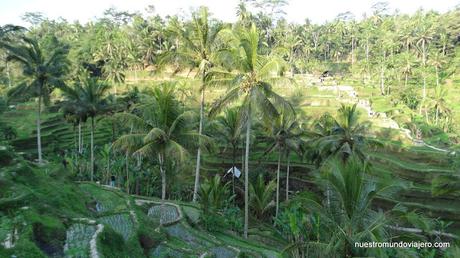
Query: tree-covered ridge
column 155, row 118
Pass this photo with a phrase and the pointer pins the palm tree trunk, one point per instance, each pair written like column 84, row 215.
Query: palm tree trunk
column 367, row 59
column 108, row 168
column 405, row 81
column 163, row 186
column 74, row 127
column 233, row 167
column 80, row 141
column 352, row 52
column 163, row 180
column 437, row 76
column 287, row 177
column 198, row 155
column 39, row 140
column 424, row 65
column 382, row 81
column 8, row 74
column 437, row 114
column 382, row 75
column 246, row 174
column 92, row 149
column 278, row 184
column 127, row 172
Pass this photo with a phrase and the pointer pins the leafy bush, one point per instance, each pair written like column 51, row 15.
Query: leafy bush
column 50, row 239
column 6, row 156
column 262, row 197
column 214, row 195
column 148, row 239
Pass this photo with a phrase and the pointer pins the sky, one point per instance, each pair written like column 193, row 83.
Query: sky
column 318, row 11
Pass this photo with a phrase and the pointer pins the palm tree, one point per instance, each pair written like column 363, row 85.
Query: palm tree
column 160, row 128
column 285, row 134
column 228, row 128
column 43, row 73
column 407, row 63
column 424, row 31
column 7, row 34
column 73, row 107
column 346, row 136
column 199, row 51
column 349, row 218
column 437, row 60
column 262, row 196
column 439, row 103
column 89, row 95
column 251, row 82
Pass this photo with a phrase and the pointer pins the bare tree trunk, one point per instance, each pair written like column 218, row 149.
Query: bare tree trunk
column 367, row 59
column 424, row 66
column 108, row 168
column 246, row 174
column 138, row 183
column 233, row 167
column 127, row 172
column 287, row 177
column 437, row 76
column 382, row 81
column 278, row 184
column 92, row 149
column 352, row 52
column 163, row 186
column 39, row 137
column 405, row 80
column 200, row 131
column 382, row 74
column 80, row 141
column 8, row 74
column 437, row 114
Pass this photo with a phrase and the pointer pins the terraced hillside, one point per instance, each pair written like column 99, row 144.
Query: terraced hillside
column 89, row 220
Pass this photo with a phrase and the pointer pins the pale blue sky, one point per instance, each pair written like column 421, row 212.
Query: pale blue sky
column 317, row 10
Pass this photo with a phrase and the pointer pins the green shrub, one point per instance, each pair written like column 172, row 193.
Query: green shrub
column 6, row 156
column 112, row 245
column 149, row 239
column 49, row 239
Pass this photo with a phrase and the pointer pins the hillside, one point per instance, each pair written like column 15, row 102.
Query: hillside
column 44, row 214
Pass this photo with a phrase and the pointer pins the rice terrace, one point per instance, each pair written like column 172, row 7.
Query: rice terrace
column 239, row 128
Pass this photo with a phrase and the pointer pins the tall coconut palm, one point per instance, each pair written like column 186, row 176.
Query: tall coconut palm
column 285, row 134
column 199, row 50
column 160, row 130
column 43, row 73
column 90, row 95
column 9, row 33
column 228, row 128
column 72, row 106
column 346, row 136
column 407, row 62
column 437, row 60
column 439, row 103
column 424, row 34
column 251, row 82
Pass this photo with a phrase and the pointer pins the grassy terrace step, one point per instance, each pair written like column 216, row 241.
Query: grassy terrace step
column 120, row 223
column 187, row 239
column 409, row 165
column 77, row 241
